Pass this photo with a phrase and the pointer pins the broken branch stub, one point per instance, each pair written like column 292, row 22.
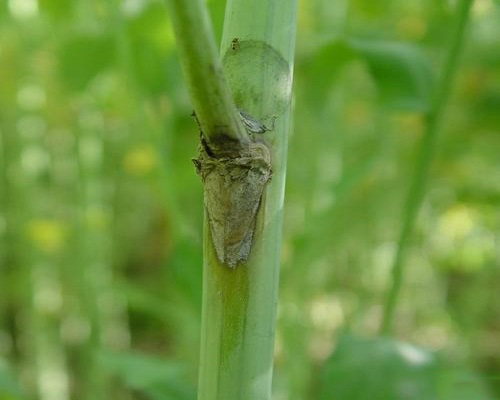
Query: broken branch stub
column 232, row 189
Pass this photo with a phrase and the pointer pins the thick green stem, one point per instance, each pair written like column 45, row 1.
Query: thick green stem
column 425, row 155
column 209, row 91
column 239, row 304
column 240, row 295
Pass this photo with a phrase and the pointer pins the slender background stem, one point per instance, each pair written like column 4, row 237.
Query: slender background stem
column 209, row 91
column 425, row 155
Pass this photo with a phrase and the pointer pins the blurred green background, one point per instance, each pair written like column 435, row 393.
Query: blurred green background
column 101, row 211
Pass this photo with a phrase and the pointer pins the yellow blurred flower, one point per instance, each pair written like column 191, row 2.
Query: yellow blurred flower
column 408, row 123
column 139, row 160
column 46, row 234
column 483, row 7
column 474, row 81
column 462, row 240
column 456, row 222
column 412, row 27
column 358, row 114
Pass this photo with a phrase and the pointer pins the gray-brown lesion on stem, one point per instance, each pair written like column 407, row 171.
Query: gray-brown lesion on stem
column 233, row 184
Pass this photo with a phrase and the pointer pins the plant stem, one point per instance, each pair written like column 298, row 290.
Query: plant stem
column 210, row 94
column 239, row 305
column 424, row 159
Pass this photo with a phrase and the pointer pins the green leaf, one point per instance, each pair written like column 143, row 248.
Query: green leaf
column 57, row 9
column 372, row 8
column 323, row 68
column 9, row 389
column 3, row 9
column 461, row 383
column 402, row 73
column 377, row 369
column 149, row 40
column 385, row 369
column 85, row 56
column 156, row 378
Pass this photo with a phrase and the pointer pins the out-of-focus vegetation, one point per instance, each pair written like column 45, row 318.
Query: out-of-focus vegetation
column 101, row 212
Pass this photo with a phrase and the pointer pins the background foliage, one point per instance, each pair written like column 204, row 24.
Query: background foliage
column 100, row 209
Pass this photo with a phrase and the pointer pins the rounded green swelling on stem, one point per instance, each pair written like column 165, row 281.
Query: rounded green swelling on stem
column 260, row 78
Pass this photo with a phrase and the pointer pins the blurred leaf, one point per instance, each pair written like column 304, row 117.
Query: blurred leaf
column 461, row 384
column 3, row 9
column 158, row 379
column 150, row 41
column 142, row 300
column 85, row 56
column 401, row 72
column 372, row 369
column 323, row 67
column 9, row 389
column 373, row 8
column 57, row 9
column 385, row 369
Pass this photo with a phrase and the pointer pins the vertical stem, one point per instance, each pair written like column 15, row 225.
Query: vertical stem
column 9, row 230
column 239, row 305
column 90, row 267
column 4, row 278
column 425, row 155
